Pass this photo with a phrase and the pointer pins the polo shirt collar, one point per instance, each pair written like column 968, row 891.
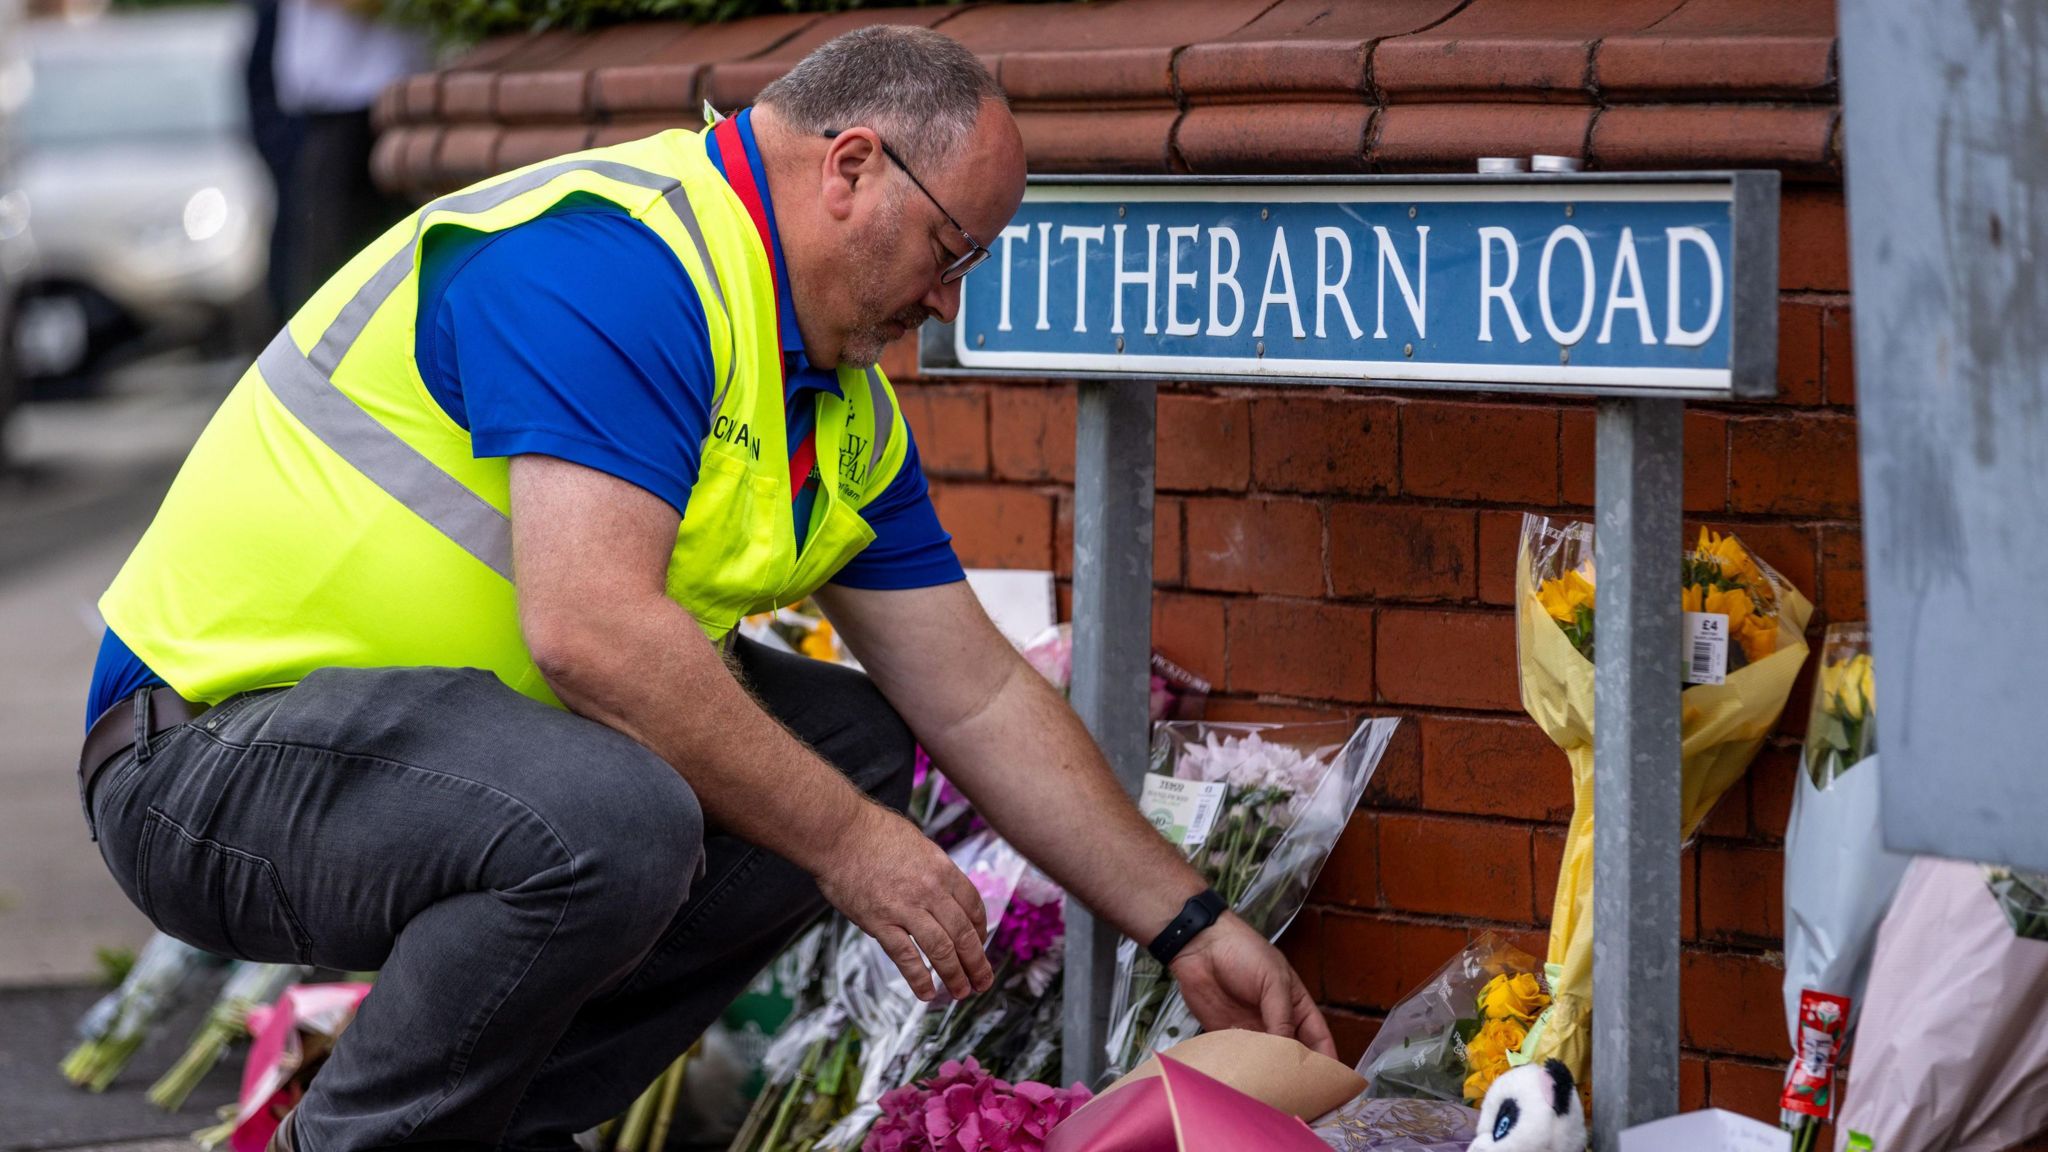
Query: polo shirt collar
column 804, row 373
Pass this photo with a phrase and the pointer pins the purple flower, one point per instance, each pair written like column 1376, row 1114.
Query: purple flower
column 1029, row 929
column 966, row 1109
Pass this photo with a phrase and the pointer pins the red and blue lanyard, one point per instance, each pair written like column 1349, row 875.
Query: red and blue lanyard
column 801, row 417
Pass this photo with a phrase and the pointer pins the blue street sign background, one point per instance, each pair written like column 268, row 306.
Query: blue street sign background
column 1450, row 350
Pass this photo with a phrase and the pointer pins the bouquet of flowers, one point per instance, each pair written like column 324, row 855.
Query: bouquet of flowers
column 290, row 1041
column 1257, row 808
column 801, row 628
column 164, row 976
column 2023, row 897
column 1839, row 879
column 249, row 986
column 966, row 1108
column 1454, row 1036
column 1745, row 627
column 828, row 1070
column 1952, row 1045
column 1177, row 694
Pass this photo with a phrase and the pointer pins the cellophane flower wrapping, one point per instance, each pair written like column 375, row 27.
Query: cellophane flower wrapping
column 165, row 974
column 1373, row 1124
column 1177, row 694
column 1450, row 1039
column 829, row 1069
column 1257, row 808
column 1761, row 621
column 1839, row 879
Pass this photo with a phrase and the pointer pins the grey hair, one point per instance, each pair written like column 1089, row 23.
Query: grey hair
column 920, row 89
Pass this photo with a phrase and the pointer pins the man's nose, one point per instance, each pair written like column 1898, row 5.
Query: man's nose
column 943, row 301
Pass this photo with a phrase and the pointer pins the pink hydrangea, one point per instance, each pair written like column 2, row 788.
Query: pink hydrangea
column 967, row 1109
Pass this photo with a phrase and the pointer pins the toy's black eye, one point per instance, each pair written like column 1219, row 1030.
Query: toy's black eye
column 1504, row 1121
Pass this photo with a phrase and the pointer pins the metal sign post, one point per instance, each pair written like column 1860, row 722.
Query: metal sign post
column 1641, row 290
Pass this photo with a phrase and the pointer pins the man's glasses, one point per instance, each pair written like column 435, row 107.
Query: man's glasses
column 961, row 264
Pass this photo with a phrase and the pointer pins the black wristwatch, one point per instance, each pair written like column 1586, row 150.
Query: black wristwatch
column 1202, row 909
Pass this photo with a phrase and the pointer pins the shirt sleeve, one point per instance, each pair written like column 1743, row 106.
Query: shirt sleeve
column 576, row 335
column 911, row 549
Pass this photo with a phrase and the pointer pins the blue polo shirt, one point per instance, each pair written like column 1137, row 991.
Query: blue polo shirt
column 578, row 335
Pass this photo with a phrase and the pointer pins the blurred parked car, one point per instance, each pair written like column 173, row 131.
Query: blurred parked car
column 16, row 250
column 148, row 206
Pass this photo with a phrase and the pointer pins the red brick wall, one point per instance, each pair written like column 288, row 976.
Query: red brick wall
column 1344, row 551
column 1348, row 551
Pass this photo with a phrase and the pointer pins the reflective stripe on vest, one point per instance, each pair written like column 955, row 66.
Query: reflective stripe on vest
column 303, row 382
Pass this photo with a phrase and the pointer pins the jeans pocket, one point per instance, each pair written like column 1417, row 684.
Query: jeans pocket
column 211, row 896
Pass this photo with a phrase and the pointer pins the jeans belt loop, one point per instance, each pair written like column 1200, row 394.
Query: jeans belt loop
column 142, row 705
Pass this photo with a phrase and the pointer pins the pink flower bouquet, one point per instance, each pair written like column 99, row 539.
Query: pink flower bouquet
column 965, row 1108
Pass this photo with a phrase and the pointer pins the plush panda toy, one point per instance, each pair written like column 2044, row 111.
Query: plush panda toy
column 1534, row 1108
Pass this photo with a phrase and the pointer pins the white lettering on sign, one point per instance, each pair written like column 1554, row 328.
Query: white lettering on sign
column 1011, row 233
column 1044, row 271
column 1149, row 278
column 1417, row 297
column 1626, row 264
column 1175, row 278
column 1081, row 236
column 1279, row 263
column 1577, row 332
column 1326, row 289
column 1674, row 331
column 1503, row 291
column 1221, row 277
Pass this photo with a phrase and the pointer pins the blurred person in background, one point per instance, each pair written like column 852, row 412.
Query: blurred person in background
column 330, row 60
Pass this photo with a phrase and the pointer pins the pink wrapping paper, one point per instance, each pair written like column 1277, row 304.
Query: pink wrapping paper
column 276, row 1051
column 1952, row 1051
column 1181, row 1110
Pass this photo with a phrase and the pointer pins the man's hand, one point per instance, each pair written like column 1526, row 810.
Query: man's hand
column 907, row 893
column 1232, row 978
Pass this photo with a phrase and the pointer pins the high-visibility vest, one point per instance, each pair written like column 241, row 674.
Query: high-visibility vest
column 332, row 514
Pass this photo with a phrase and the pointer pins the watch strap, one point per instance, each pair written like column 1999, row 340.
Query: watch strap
column 1202, row 909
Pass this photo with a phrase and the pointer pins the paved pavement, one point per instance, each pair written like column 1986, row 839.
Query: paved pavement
column 39, row 1111
column 86, row 476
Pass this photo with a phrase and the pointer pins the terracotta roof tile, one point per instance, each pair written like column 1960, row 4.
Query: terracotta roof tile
column 1209, row 85
column 467, row 95
column 556, row 94
column 632, row 89
column 1109, row 140
column 1301, row 46
column 1797, row 139
column 1531, row 49
column 522, row 146
column 1292, row 138
column 1750, row 47
column 1450, row 137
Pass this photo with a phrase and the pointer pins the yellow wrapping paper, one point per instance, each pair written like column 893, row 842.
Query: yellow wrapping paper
column 1721, row 726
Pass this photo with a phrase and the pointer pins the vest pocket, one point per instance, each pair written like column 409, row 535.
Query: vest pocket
column 215, row 897
column 731, row 547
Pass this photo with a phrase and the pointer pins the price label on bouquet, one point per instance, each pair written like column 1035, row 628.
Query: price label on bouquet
column 1706, row 648
column 1183, row 810
column 1583, row 284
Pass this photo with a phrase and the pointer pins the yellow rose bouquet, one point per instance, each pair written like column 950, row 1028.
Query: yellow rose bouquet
column 1744, row 642
column 1454, row 1036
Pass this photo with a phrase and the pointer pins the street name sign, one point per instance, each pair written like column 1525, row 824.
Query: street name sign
column 1574, row 284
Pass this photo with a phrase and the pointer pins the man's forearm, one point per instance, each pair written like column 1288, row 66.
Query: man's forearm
column 650, row 673
column 1067, row 813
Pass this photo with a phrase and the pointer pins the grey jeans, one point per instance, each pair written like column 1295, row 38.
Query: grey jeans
column 525, row 880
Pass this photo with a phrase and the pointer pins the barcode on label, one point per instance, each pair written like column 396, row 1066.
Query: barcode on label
column 1706, row 648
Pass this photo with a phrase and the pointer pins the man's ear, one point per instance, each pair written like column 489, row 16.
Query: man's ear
column 850, row 157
